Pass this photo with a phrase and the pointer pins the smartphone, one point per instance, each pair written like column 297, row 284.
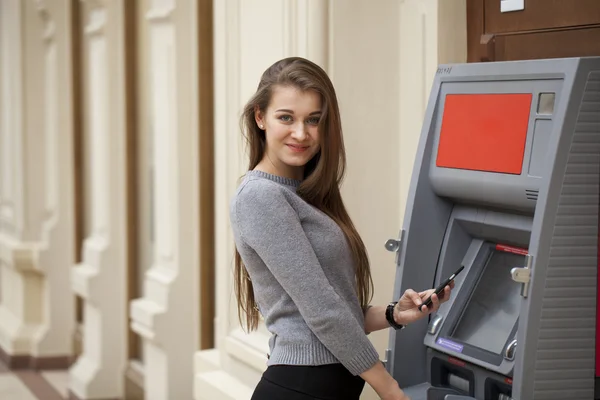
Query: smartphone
column 441, row 287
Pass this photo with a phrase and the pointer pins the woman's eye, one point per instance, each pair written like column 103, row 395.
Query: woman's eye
column 313, row 121
column 285, row 118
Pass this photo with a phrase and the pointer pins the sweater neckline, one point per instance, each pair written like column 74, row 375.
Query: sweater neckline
column 275, row 178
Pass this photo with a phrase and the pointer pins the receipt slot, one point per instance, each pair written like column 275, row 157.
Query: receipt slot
column 505, row 183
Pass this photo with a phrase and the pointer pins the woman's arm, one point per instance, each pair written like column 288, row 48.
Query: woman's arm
column 266, row 222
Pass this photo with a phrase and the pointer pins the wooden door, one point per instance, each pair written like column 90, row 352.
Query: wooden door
column 544, row 29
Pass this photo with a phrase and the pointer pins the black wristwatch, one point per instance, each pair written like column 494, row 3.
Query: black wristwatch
column 389, row 316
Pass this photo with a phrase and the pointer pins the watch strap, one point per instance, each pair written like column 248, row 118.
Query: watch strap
column 389, row 316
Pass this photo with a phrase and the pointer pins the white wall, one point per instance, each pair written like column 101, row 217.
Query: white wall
column 381, row 57
column 365, row 72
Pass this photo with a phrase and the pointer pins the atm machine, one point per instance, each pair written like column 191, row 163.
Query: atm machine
column 506, row 184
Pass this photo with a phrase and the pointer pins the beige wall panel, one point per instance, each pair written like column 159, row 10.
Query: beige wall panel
column 365, row 69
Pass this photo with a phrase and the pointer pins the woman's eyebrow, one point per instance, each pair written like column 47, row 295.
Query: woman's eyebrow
column 291, row 112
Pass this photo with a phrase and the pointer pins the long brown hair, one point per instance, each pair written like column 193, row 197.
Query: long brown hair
column 322, row 174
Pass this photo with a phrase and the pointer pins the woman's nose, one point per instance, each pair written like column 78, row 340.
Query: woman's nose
column 299, row 131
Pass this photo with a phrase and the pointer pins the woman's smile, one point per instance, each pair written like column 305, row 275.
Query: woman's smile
column 296, row 148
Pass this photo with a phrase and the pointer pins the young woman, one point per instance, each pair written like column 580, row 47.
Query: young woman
column 299, row 260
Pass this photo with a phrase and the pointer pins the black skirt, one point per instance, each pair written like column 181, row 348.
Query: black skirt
column 292, row 382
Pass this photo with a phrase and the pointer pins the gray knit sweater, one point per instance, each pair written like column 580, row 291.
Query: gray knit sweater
column 303, row 276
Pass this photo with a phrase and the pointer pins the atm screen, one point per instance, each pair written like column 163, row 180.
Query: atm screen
column 484, row 132
column 493, row 308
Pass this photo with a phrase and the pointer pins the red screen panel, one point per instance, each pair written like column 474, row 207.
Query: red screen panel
column 484, row 132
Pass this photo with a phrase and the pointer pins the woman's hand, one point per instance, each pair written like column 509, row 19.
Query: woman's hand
column 396, row 394
column 382, row 382
column 400, row 396
column 407, row 311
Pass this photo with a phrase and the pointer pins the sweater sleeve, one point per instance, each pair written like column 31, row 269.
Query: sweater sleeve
column 269, row 224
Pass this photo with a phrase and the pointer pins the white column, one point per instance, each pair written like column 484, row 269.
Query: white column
column 15, row 336
column 101, row 278
column 36, row 189
column 167, row 316
column 249, row 36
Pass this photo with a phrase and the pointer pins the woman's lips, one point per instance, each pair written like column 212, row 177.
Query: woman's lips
column 297, row 148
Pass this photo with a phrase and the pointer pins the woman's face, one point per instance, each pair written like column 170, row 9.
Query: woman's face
column 291, row 125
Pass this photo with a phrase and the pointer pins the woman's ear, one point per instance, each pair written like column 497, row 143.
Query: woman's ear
column 259, row 118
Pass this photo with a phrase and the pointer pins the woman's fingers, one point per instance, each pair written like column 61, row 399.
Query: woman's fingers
column 414, row 296
column 445, row 295
column 435, row 300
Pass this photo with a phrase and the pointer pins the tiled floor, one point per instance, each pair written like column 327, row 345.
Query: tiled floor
column 31, row 385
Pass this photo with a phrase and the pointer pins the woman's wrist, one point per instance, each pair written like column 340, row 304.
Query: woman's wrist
column 398, row 316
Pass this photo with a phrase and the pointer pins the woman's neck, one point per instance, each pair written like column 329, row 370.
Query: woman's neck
column 267, row 166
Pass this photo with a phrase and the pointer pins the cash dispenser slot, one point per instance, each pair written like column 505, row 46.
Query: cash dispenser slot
column 495, row 389
column 454, row 377
column 445, row 374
